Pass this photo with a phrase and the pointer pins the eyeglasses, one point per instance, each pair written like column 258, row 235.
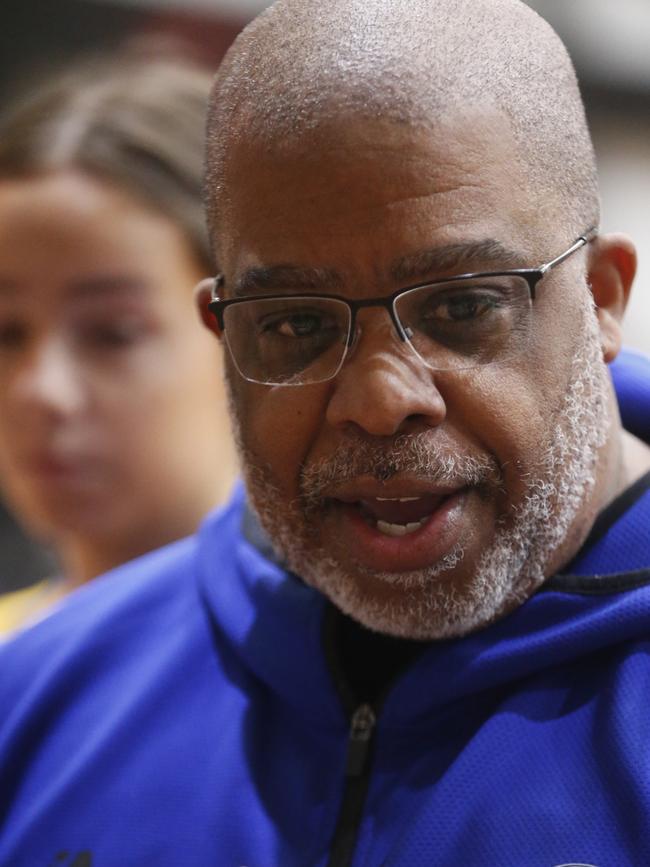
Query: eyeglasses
column 452, row 324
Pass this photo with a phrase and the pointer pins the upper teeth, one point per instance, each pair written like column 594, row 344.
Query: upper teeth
column 399, row 529
column 397, row 499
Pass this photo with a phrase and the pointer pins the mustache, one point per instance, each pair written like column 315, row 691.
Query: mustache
column 418, row 455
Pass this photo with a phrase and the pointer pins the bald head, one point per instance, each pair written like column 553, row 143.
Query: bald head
column 303, row 64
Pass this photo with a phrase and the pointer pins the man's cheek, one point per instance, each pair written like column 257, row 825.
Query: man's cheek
column 507, row 412
column 277, row 430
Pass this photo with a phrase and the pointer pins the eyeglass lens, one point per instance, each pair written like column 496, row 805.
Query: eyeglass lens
column 289, row 340
column 451, row 326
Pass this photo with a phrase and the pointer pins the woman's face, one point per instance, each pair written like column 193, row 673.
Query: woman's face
column 111, row 407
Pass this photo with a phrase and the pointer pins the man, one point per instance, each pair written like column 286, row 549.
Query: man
column 420, row 638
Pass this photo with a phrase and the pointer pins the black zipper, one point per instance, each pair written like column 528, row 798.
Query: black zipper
column 357, row 778
column 362, row 701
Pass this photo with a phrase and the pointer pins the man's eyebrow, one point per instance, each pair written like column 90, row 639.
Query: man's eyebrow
column 461, row 258
column 422, row 265
column 280, row 278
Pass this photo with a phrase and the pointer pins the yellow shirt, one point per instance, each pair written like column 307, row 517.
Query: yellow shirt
column 22, row 607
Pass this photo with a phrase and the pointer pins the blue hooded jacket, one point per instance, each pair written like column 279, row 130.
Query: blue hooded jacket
column 183, row 711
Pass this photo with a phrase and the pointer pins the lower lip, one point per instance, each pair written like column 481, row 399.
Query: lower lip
column 418, row 550
column 56, row 472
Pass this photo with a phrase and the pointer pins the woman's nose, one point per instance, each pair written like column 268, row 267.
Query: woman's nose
column 49, row 378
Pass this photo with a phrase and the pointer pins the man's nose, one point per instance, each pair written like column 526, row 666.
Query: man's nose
column 49, row 379
column 384, row 388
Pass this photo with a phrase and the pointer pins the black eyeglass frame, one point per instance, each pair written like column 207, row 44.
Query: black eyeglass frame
column 532, row 276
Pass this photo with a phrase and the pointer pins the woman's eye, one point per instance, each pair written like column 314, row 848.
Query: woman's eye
column 12, row 335
column 115, row 335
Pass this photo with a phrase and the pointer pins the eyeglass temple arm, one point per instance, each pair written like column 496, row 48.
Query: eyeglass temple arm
column 588, row 236
column 217, row 284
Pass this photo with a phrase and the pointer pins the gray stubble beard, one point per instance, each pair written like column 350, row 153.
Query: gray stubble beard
column 429, row 604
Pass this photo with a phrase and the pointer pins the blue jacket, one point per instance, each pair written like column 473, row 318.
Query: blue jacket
column 182, row 712
column 631, row 375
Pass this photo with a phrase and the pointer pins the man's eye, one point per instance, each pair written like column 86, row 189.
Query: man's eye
column 296, row 325
column 465, row 308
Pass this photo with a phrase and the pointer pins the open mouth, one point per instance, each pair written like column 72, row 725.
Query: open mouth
column 401, row 529
column 399, row 516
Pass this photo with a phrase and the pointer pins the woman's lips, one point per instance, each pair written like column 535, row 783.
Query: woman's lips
column 401, row 534
column 53, row 469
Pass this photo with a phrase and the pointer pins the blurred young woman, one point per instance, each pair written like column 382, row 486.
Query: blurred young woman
column 113, row 432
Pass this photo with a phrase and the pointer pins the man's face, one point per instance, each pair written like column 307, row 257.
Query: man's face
column 423, row 503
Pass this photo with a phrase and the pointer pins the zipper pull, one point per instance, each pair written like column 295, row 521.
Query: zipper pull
column 362, row 727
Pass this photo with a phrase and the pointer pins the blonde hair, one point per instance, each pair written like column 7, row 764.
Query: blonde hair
column 134, row 122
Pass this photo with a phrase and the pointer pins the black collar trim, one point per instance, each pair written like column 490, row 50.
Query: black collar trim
column 612, row 513
column 598, row 585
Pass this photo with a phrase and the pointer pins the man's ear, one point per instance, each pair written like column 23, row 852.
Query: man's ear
column 611, row 268
column 202, row 297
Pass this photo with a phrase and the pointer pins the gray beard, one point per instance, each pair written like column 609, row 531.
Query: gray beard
column 430, row 604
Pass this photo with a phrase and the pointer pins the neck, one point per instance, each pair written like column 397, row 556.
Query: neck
column 85, row 556
column 625, row 460
column 635, row 459
column 82, row 562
